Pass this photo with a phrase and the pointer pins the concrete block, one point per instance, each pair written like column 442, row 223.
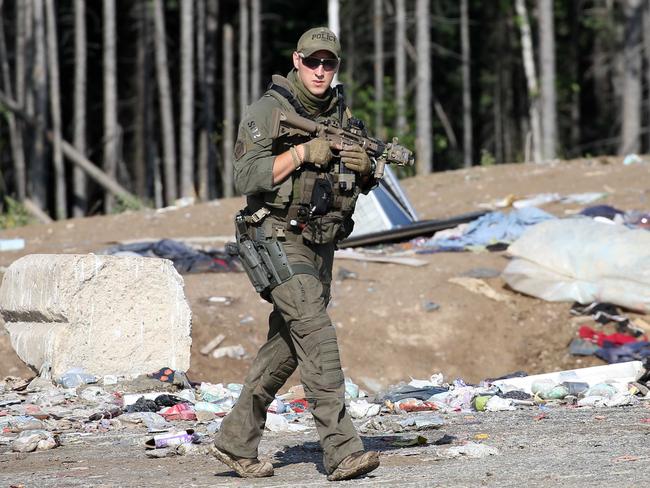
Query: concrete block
column 106, row 314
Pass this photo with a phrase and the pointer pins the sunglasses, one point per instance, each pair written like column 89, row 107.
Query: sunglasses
column 329, row 64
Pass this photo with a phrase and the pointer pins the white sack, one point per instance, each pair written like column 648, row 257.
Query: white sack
column 582, row 260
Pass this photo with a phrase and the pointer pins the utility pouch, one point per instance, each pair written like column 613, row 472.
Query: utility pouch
column 322, row 197
column 264, row 261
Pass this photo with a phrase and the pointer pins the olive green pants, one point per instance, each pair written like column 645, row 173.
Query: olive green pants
column 301, row 335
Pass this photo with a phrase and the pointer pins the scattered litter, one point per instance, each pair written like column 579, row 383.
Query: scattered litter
column 345, row 274
column 247, row 319
column 411, row 441
column 632, row 159
column 375, row 258
column 429, row 306
column 12, row 244
column 470, row 450
column 35, row 440
column 75, row 377
column 210, row 346
column 169, row 439
column 234, row 352
column 278, row 423
column 361, row 408
column 224, row 300
column 476, row 285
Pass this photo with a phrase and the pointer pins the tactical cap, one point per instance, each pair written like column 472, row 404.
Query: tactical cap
column 319, row 38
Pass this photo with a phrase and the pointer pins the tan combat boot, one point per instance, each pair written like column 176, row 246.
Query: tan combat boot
column 354, row 465
column 244, row 467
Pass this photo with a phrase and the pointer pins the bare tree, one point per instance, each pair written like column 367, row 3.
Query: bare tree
column 256, row 40
column 423, row 144
column 400, row 66
column 39, row 173
column 378, row 29
column 631, row 115
column 79, row 184
column 15, row 130
column 468, row 156
column 110, row 97
column 547, row 78
column 334, row 23
column 207, row 17
column 165, row 103
column 55, row 110
column 646, row 48
column 142, row 98
column 187, row 100
column 228, row 112
column 531, row 78
column 243, row 57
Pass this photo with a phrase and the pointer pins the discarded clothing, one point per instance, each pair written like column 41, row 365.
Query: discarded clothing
column 627, row 352
column 408, row 391
column 185, row 258
column 492, row 228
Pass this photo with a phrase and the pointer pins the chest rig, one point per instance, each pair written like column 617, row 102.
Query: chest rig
column 321, row 201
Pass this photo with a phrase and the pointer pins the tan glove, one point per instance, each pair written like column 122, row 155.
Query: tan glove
column 317, row 151
column 356, row 159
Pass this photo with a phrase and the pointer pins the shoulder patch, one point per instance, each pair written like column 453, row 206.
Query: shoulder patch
column 240, row 149
column 253, row 130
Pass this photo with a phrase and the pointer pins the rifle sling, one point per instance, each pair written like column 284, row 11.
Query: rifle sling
column 297, row 106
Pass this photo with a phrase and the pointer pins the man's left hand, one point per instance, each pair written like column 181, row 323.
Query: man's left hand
column 356, row 159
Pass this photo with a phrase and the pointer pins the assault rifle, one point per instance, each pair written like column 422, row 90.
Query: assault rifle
column 286, row 123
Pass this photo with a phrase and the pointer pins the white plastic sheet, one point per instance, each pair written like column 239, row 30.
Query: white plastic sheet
column 582, row 260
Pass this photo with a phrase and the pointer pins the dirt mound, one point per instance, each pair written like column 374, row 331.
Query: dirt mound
column 385, row 330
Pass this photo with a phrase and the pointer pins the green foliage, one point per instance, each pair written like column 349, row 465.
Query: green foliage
column 14, row 214
column 487, row 159
column 124, row 204
column 364, row 107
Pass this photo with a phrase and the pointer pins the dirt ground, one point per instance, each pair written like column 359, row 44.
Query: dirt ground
column 385, row 332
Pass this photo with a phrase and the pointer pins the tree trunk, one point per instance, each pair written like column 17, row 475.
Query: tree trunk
column 187, row 100
column 55, row 111
column 631, row 115
column 576, row 88
column 79, row 183
column 400, row 67
column 547, row 73
column 378, row 28
column 165, row 103
column 468, row 156
column 243, row 57
column 256, row 39
column 15, row 128
column 646, row 48
column 350, row 54
column 334, row 24
column 229, row 111
column 531, row 78
column 110, row 98
column 141, row 112
column 423, row 142
column 39, row 173
column 207, row 160
column 21, row 51
column 201, row 47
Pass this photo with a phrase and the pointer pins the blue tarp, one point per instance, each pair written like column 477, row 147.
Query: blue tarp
column 492, row 228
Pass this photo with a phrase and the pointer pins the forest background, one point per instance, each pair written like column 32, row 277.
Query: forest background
column 115, row 104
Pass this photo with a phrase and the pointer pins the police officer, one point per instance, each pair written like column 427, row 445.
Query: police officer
column 301, row 194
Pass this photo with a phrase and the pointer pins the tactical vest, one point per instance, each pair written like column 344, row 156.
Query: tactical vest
column 294, row 201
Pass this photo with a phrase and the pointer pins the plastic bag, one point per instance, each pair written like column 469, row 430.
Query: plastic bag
column 582, row 260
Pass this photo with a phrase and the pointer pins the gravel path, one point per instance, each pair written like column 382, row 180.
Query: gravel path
column 568, row 447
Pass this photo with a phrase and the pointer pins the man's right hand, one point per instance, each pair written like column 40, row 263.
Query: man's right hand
column 317, row 151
